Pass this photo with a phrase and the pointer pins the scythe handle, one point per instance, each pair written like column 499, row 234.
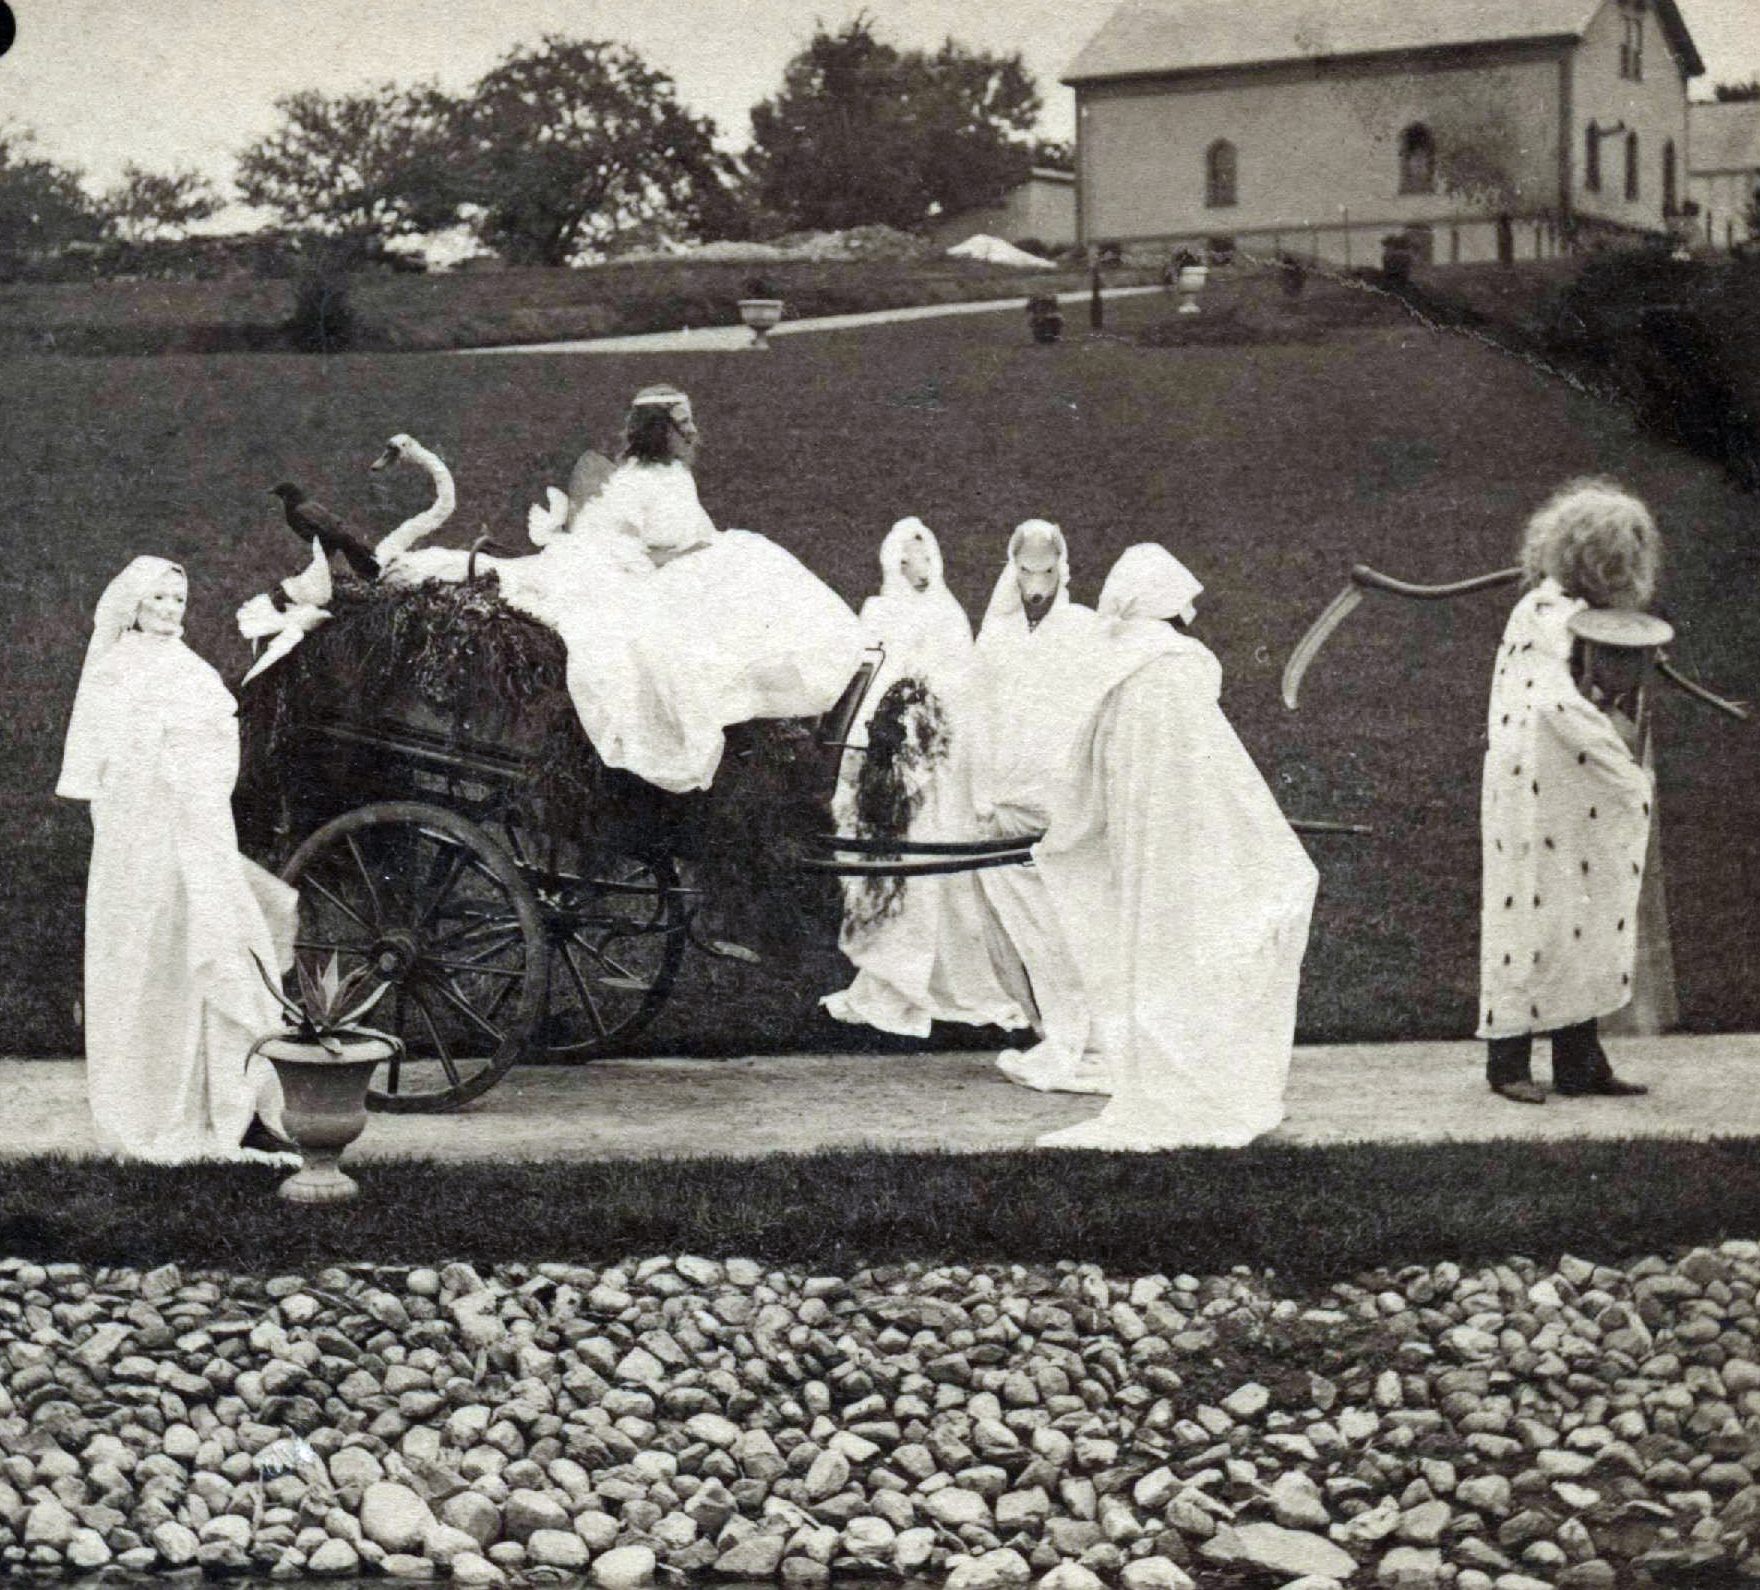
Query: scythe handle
column 1375, row 580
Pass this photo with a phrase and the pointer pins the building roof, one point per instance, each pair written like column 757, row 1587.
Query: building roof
column 1724, row 137
column 1156, row 38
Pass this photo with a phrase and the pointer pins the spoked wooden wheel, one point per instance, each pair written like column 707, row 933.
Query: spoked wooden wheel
column 616, row 927
column 437, row 910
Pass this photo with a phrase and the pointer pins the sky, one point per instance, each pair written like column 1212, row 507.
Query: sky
column 177, row 83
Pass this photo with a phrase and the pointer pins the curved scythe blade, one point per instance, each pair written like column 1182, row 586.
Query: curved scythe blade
column 1319, row 632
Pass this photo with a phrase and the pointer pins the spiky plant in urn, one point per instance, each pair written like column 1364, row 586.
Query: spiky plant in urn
column 325, row 1058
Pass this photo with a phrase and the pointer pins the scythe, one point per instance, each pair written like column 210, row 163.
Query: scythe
column 1365, row 579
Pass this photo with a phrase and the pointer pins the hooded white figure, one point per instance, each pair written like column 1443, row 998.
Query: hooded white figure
column 675, row 629
column 173, row 1001
column 924, row 948
column 1034, row 655
column 1184, row 892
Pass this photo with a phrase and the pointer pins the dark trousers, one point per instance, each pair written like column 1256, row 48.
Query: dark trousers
column 1577, row 1058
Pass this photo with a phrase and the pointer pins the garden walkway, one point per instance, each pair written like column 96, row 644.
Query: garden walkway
column 1703, row 1087
column 735, row 339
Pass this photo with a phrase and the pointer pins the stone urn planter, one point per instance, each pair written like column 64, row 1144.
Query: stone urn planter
column 762, row 315
column 324, row 1059
column 324, row 1107
column 1192, row 280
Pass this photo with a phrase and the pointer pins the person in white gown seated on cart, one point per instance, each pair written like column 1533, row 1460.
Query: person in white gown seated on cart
column 925, row 949
column 1184, row 893
column 1035, row 649
column 675, row 629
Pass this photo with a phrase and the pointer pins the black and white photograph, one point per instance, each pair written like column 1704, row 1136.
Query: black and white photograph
column 809, row 793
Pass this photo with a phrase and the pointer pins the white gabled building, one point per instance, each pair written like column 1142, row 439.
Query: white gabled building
column 1723, row 176
column 1493, row 127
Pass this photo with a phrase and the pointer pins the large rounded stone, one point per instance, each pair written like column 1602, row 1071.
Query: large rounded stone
column 471, row 1569
column 1005, row 1569
column 335, row 1559
column 475, row 1514
column 556, row 1548
column 954, row 1506
column 625, row 1568
column 394, row 1517
column 527, row 1511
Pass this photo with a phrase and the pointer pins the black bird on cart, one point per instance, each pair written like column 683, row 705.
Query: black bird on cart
column 307, row 519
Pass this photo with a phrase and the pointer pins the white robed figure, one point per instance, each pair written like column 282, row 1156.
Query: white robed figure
column 1034, row 656
column 675, row 629
column 1183, row 890
column 923, row 948
column 173, row 1001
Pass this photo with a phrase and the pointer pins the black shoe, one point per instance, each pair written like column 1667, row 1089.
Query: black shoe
column 1607, row 1087
column 259, row 1136
column 1521, row 1092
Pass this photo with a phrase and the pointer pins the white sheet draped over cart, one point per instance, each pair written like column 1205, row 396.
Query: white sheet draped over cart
column 662, row 660
column 173, row 1002
column 1184, row 893
column 1565, row 821
column 1027, row 694
column 933, row 957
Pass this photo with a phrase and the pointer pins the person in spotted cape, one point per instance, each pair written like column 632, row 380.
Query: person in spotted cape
column 1565, row 805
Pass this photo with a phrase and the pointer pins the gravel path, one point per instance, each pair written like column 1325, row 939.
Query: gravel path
column 1514, row 1427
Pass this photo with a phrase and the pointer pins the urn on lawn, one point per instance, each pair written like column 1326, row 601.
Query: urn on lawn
column 1045, row 318
column 1192, row 280
column 325, row 1061
column 762, row 315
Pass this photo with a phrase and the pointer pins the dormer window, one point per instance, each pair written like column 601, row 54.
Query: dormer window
column 1417, row 160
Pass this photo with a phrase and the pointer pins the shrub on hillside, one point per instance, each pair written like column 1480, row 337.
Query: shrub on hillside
column 323, row 318
column 1678, row 339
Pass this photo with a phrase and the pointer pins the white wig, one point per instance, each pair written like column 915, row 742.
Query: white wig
column 1597, row 541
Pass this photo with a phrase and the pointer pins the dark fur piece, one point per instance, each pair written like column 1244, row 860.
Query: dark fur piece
column 907, row 734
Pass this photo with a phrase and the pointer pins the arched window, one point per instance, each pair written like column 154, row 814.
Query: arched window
column 1219, row 174
column 1670, row 198
column 1592, row 158
column 1417, row 160
column 1631, row 167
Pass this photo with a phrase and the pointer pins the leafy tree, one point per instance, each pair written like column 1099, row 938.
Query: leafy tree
column 564, row 146
column 862, row 132
column 150, row 204
column 1728, row 93
column 361, row 167
column 42, row 203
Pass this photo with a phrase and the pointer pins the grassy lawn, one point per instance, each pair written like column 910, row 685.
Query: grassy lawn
column 1310, row 1214
column 1270, row 466
column 408, row 312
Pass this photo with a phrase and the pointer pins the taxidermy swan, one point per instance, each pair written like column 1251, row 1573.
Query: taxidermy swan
column 285, row 617
column 425, row 523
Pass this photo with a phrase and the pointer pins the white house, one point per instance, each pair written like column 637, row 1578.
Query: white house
column 1492, row 128
column 1723, row 175
column 1041, row 209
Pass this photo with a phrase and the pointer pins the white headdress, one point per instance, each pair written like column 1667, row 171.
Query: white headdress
column 1148, row 581
column 892, row 550
column 1005, row 600
column 83, row 755
column 662, row 395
